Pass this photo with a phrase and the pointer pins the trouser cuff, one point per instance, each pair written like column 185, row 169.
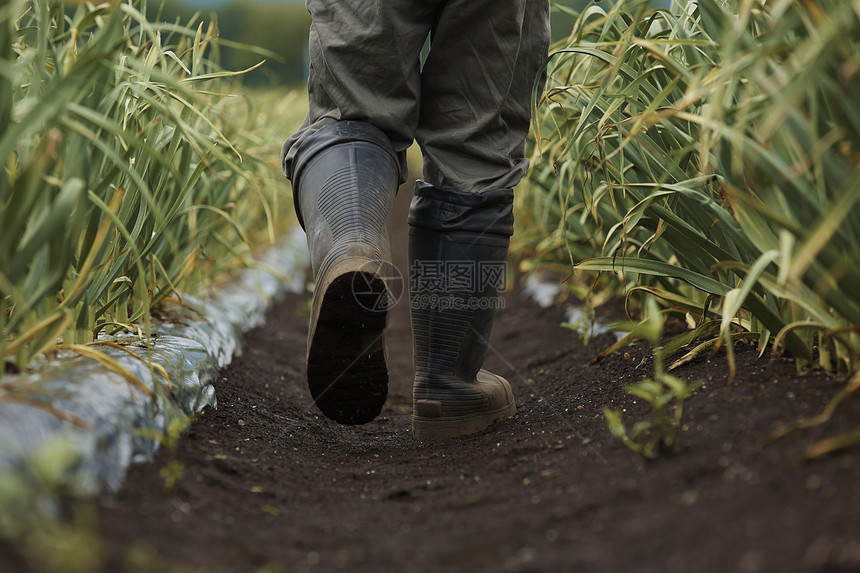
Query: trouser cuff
column 443, row 209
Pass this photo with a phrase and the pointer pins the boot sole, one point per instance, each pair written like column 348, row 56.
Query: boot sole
column 426, row 429
column 346, row 364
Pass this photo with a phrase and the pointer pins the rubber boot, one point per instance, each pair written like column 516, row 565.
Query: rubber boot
column 345, row 177
column 457, row 247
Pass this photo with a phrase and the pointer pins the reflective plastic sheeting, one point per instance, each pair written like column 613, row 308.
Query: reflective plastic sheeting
column 545, row 293
column 105, row 417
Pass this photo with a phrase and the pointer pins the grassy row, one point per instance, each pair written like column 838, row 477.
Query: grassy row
column 129, row 173
column 708, row 157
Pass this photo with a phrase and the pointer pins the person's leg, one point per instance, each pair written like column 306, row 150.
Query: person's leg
column 457, row 248
column 474, row 117
column 364, row 66
column 476, row 89
column 345, row 163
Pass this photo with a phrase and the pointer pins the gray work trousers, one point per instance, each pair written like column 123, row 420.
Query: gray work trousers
column 469, row 107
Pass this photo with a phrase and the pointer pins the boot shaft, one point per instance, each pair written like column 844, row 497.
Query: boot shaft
column 458, row 243
column 344, row 182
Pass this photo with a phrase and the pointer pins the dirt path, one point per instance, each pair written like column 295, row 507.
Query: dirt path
column 269, row 482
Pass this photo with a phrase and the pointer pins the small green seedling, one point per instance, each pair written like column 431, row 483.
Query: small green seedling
column 665, row 393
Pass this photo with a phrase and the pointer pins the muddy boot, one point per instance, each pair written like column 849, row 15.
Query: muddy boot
column 345, row 177
column 457, row 247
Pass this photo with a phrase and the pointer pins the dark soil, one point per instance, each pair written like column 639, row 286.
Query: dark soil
column 269, row 482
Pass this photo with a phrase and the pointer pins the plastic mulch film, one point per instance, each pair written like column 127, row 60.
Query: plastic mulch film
column 542, row 292
column 545, row 293
column 108, row 420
